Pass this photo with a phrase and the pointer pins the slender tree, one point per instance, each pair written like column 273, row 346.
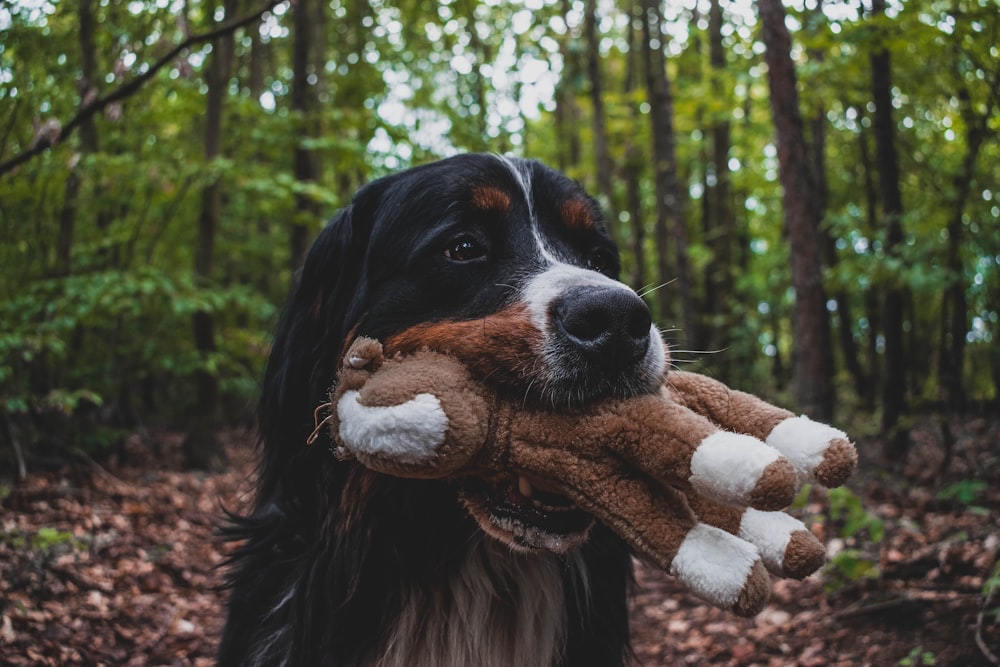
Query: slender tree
column 976, row 119
column 720, row 222
column 306, row 50
column 602, row 160
column 201, row 448
column 817, row 145
column 567, row 112
column 632, row 168
column 811, row 331
column 670, row 219
column 894, row 375
column 88, row 136
column 872, row 307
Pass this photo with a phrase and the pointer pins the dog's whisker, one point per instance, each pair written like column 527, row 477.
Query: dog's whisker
column 719, row 351
column 647, row 289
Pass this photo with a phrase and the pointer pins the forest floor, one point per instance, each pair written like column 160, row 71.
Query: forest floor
column 117, row 565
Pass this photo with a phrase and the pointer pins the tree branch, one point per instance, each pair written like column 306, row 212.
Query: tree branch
column 47, row 141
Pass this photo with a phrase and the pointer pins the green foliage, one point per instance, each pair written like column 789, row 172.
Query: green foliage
column 918, row 656
column 44, row 541
column 992, row 583
column 849, row 566
column 849, row 514
column 965, row 491
column 102, row 331
column 861, row 532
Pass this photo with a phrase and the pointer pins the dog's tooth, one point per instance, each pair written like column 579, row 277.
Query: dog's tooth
column 524, row 486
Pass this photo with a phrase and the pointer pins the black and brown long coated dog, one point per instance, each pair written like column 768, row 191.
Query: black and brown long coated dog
column 338, row 565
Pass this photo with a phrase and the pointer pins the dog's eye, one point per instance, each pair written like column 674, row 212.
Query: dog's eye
column 465, row 248
column 602, row 262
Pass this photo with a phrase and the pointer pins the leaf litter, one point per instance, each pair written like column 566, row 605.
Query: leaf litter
column 119, row 564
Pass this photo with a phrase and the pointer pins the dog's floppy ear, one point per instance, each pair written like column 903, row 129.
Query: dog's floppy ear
column 326, row 297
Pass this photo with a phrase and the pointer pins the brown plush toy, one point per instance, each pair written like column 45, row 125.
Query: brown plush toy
column 692, row 478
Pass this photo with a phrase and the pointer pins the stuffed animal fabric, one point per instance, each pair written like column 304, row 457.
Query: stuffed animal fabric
column 693, row 478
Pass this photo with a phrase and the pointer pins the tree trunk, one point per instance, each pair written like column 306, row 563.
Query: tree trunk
column 305, row 50
column 872, row 307
column 88, row 138
column 670, row 220
column 848, row 346
column 634, row 162
column 721, row 223
column 201, row 449
column 954, row 311
column 845, row 328
column 567, row 115
column 954, row 306
column 810, row 321
column 598, row 122
column 894, row 376
column 256, row 66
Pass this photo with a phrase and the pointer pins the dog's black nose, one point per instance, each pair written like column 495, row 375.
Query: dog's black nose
column 609, row 325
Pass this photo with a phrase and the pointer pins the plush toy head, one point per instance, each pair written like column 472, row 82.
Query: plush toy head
column 693, row 478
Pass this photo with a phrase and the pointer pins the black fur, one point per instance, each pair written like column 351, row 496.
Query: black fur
column 324, row 558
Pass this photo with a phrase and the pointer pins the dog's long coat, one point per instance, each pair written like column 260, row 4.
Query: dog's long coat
column 338, row 565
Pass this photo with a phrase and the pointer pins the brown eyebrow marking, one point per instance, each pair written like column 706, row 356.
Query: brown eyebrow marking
column 490, row 198
column 577, row 216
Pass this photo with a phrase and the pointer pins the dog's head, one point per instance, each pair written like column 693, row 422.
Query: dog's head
column 501, row 261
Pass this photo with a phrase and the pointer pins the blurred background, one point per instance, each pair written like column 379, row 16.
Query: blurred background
column 805, row 194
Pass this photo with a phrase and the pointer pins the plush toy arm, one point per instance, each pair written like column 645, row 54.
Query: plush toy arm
column 819, row 452
column 657, row 523
column 672, row 445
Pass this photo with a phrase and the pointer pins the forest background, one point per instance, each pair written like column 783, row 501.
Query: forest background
column 807, row 195
column 159, row 185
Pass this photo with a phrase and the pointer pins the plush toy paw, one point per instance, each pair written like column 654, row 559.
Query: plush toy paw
column 819, row 452
column 722, row 569
column 738, row 468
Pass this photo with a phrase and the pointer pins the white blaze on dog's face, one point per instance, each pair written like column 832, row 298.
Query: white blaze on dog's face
column 517, row 277
column 598, row 337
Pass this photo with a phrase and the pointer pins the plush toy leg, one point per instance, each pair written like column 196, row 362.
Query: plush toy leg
column 818, row 452
column 786, row 546
column 658, row 524
column 675, row 445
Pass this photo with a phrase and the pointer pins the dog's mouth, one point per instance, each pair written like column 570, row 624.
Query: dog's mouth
column 521, row 512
